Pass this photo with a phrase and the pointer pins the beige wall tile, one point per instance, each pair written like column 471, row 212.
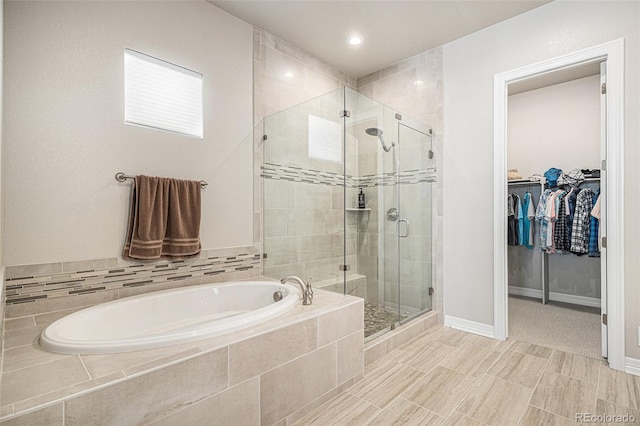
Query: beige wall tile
column 50, row 416
column 564, row 396
column 238, row 405
column 298, row 414
column 350, row 356
column 24, row 322
column 518, row 368
column 32, row 270
column 254, row 356
column 101, row 365
column 340, row 323
column 495, row 401
column 46, row 398
column 153, row 395
column 440, row 390
column 59, row 303
column 406, row 413
column 22, row 336
column 27, row 356
column 151, row 365
column 286, row 388
column 342, row 410
column 28, row 382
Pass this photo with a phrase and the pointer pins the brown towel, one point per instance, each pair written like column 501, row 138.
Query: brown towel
column 164, row 220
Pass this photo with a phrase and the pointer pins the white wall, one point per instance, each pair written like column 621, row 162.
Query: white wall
column 556, row 126
column 469, row 66
column 65, row 136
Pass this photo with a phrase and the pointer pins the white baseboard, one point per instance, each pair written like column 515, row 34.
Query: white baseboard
column 469, row 326
column 632, row 366
column 557, row 297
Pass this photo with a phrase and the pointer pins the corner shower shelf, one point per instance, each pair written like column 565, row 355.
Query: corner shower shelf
column 358, row 210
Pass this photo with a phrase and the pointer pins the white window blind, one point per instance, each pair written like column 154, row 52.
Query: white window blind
column 161, row 95
column 325, row 140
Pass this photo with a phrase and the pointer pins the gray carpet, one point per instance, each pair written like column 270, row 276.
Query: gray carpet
column 570, row 328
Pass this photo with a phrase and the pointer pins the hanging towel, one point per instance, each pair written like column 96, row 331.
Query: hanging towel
column 164, row 219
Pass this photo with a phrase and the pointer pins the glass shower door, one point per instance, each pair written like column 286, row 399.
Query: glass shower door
column 415, row 178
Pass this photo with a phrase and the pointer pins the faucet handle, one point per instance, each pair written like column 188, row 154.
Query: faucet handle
column 309, row 290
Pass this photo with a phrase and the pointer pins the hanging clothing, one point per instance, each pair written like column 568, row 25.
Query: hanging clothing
column 561, row 236
column 540, row 218
column 595, row 212
column 581, row 222
column 531, row 215
column 527, row 224
column 571, row 208
column 519, row 220
column 511, row 222
column 594, row 249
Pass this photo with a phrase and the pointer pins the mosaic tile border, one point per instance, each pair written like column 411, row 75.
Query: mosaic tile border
column 34, row 287
column 317, row 177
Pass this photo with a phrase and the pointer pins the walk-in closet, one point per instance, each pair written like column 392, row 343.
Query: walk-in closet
column 555, row 206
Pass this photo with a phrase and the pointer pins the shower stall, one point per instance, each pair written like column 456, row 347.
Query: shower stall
column 319, row 159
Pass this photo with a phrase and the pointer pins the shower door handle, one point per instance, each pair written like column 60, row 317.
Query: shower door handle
column 406, row 229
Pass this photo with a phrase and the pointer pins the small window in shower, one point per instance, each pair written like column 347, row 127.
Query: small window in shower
column 161, row 95
column 325, row 141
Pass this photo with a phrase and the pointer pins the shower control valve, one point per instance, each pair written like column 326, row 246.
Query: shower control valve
column 392, row 214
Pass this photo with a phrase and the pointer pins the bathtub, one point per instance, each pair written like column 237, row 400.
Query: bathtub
column 168, row 317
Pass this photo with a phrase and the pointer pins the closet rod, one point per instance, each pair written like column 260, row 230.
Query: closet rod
column 525, row 182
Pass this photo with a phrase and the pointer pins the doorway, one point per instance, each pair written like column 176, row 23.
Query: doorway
column 613, row 297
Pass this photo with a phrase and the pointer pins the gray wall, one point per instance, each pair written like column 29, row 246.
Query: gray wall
column 469, row 66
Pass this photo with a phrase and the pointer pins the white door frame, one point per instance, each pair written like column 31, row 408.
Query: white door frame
column 613, row 53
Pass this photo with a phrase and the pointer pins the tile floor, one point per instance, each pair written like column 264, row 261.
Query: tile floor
column 450, row 377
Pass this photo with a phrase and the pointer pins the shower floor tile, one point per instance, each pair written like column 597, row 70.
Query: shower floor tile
column 377, row 318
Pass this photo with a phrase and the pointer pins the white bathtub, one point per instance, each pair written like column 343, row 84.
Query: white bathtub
column 167, row 317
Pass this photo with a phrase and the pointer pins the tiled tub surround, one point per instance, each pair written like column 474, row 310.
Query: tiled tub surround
column 274, row 372
column 35, row 289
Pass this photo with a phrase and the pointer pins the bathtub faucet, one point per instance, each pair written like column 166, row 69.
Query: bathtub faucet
column 307, row 291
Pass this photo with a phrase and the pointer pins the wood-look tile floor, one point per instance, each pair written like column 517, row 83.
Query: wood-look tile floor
column 449, row 377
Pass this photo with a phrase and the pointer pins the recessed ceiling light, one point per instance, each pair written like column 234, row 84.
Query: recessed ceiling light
column 355, row 40
column 418, row 82
column 288, row 74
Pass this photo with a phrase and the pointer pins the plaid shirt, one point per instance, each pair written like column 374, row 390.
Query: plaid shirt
column 561, row 234
column 594, row 250
column 580, row 229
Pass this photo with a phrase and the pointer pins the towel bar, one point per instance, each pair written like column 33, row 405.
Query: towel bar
column 121, row 177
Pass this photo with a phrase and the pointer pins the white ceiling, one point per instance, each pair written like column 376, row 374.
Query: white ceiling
column 392, row 29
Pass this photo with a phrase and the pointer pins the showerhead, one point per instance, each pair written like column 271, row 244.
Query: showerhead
column 372, row 131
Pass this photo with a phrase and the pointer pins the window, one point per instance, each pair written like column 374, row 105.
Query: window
column 325, row 141
column 161, row 95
